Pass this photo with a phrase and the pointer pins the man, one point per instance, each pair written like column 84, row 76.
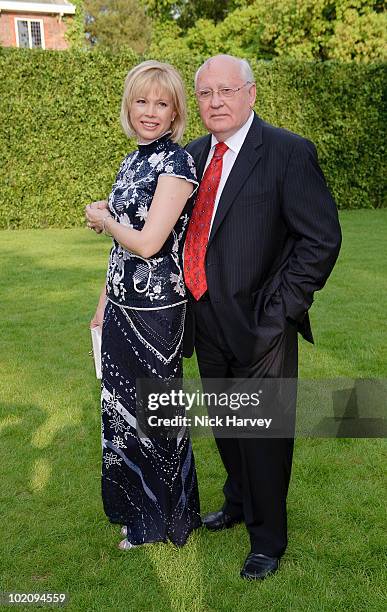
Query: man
column 263, row 237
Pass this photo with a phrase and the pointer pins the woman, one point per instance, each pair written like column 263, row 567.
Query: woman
column 148, row 485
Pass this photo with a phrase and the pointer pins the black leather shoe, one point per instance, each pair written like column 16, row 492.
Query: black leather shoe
column 215, row 521
column 258, row 567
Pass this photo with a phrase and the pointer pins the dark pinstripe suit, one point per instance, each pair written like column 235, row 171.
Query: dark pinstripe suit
column 274, row 241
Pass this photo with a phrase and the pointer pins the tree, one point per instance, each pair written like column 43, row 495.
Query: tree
column 344, row 30
column 359, row 37
column 187, row 12
column 190, row 12
column 301, row 29
column 115, row 24
column 75, row 31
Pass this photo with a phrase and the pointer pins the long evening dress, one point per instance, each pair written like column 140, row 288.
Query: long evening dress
column 148, row 484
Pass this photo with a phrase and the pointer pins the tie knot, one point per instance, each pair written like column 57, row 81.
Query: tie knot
column 220, row 150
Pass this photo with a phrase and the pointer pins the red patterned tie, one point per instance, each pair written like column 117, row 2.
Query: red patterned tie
column 199, row 227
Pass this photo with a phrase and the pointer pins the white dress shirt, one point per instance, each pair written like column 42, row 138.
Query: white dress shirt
column 234, row 144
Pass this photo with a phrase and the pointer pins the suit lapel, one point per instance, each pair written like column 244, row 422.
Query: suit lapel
column 247, row 158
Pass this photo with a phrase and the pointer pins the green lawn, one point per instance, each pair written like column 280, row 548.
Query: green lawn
column 55, row 536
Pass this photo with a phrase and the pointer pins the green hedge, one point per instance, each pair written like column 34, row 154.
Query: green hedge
column 62, row 142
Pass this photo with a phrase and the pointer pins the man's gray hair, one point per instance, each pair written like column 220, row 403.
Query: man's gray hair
column 244, row 66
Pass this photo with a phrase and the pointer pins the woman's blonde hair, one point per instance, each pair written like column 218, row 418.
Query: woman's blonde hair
column 162, row 77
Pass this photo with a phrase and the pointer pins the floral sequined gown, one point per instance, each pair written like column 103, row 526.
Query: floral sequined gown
column 148, row 484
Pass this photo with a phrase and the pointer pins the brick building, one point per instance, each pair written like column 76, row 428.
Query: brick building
column 34, row 23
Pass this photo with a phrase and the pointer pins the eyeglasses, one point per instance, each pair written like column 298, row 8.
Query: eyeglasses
column 223, row 92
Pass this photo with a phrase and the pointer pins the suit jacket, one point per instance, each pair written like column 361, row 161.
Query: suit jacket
column 273, row 243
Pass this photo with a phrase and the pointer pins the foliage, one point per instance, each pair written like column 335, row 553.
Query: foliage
column 301, row 29
column 75, row 32
column 359, row 37
column 186, row 13
column 166, row 38
column 345, row 30
column 190, row 12
column 160, row 10
column 62, row 142
column 114, row 24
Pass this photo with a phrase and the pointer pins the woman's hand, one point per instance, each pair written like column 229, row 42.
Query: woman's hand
column 96, row 213
column 168, row 202
column 97, row 205
column 97, row 320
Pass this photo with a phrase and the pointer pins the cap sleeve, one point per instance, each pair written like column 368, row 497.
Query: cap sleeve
column 180, row 164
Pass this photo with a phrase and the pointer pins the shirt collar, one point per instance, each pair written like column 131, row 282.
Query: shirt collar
column 236, row 141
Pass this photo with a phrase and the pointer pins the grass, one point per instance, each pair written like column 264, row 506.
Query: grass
column 55, row 536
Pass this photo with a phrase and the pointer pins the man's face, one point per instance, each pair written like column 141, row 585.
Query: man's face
column 223, row 116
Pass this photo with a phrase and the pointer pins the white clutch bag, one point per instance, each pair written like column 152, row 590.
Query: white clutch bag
column 96, row 337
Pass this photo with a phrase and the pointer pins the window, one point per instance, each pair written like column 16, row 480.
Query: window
column 29, row 33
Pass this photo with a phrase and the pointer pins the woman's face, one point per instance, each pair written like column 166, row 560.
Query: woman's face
column 151, row 115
